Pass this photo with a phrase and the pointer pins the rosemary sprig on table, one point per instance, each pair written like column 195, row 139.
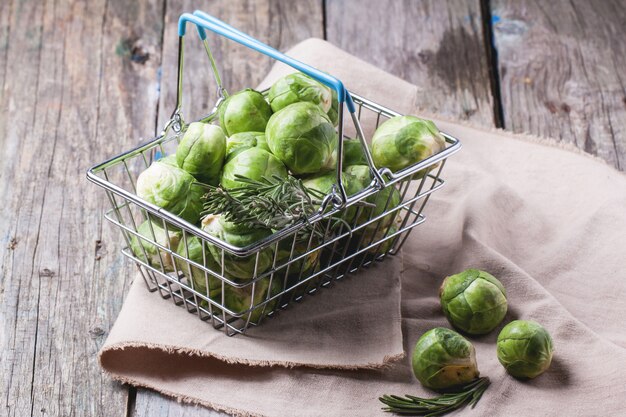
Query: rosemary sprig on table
column 271, row 202
column 468, row 394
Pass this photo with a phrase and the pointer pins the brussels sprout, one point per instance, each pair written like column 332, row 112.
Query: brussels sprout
column 360, row 174
column 240, row 300
column 442, row 358
column 384, row 200
column 201, row 152
column 353, row 153
column 193, row 251
column 172, row 189
column 404, row 140
column 525, row 349
column 306, row 264
column 245, row 111
column 149, row 252
column 380, row 234
column 239, row 268
column 169, row 160
column 333, row 113
column 254, row 163
column 239, row 142
column 261, row 143
column 303, row 137
column 298, row 87
column 473, row 301
column 324, row 184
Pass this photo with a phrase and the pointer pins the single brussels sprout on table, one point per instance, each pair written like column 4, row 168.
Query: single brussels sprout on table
column 303, row 138
column 442, row 358
column 245, row 111
column 239, row 268
column 241, row 141
column 150, row 253
column 201, row 152
column 525, row 349
column 405, row 140
column 172, row 189
column 253, row 163
column 298, row 87
column 473, row 301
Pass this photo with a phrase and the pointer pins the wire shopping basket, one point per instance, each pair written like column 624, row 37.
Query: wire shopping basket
column 183, row 262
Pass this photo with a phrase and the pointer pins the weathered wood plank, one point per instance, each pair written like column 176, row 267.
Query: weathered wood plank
column 278, row 23
column 561, row 66
column 153, row 404
column 281, row 24
column 73, row 94
column 437, row 45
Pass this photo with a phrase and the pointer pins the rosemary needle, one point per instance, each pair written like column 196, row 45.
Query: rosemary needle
column 273, row 202
column 468, row 394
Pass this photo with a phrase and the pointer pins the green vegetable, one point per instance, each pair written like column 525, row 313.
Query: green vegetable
column 353, row 153
column 241, row 268
column 298, row 87
column 333, row 113
column 473, row 301
column 169, row 160
column 172, row 189
column 468, row 394
column 442, row 358
column 149, row 252
column 193, row 251
column 384, row 200
column 201, row 152
column 370, row 237
column 306, row 264
column 404, row 140
column 240, row 300
column 245, row 111
column 525, row 349
column 323, row 185
column 303, row 138
column 244, row 140
column 297, row 271
column 253, row 163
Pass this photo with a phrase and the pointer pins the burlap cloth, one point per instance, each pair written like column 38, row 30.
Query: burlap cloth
column 549, row 222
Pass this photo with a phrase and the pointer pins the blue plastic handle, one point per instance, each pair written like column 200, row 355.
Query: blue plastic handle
column 209, row 18
column 204, row 21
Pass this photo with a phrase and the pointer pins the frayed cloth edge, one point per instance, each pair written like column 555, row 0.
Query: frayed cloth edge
column 386, row 363
column 183, row 398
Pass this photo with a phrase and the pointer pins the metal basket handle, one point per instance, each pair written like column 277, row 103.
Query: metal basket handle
column 202, row 21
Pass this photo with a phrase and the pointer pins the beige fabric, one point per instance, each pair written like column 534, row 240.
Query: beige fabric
column 551, row 224
column 315, row 332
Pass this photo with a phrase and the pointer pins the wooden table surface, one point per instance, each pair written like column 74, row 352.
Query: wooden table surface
column 83, row 80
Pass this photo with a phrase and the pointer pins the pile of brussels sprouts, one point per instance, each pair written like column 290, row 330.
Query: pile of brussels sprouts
column 290, row 131
column 475, row 303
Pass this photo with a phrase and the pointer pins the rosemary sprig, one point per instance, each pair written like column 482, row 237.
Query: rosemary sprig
column 270, row 202
column 468, row 394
